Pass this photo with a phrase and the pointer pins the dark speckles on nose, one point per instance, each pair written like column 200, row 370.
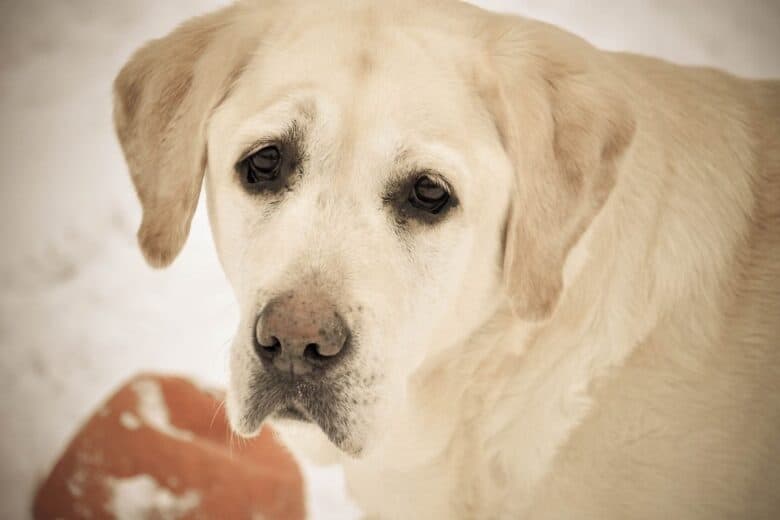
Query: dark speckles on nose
column 355, row 309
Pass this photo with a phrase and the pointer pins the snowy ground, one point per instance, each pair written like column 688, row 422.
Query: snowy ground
column 79, row 310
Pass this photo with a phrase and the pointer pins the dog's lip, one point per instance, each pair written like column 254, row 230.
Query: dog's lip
column 307, row 401
column 293, row 412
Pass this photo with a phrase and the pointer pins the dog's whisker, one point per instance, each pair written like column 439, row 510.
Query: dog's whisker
column 220, row 405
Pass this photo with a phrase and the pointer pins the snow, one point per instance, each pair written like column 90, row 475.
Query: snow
column 154, row 411
column 75, row 483
column 79, row 310
column 142, row 497
column 129, row 420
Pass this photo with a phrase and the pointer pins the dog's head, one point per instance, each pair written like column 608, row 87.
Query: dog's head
column 380, row 181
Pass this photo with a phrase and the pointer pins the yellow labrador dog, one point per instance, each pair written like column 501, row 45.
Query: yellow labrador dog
column 493, row 271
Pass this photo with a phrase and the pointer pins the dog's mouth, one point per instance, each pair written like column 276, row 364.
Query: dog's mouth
column 320, row 402
column 292, row 412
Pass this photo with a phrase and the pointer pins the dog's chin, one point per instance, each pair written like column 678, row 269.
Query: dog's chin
column 312, row 439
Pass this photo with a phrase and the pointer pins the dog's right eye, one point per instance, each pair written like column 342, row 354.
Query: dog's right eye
column 260, row 170
column 262, row 166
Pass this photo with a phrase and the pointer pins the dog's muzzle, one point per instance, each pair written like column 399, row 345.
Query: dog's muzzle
column 303, row 346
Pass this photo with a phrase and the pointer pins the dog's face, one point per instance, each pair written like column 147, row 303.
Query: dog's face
column 362, row 174
column 352, row 195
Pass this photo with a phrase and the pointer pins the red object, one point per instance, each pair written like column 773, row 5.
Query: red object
column 161, row 448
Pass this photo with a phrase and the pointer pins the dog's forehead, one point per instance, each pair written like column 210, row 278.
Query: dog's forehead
column 390, row 80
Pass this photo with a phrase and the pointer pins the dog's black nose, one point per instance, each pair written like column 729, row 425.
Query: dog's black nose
column 298, row 333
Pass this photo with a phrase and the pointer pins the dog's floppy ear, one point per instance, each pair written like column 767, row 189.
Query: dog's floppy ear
column 162, row 100
column 565, row 127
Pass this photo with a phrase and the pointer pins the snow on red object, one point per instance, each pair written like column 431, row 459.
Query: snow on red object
column 161, row 448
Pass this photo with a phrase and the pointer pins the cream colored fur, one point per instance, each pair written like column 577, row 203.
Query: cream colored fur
column 594, row 333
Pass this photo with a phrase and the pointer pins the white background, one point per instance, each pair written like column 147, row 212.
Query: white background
column 79, row 310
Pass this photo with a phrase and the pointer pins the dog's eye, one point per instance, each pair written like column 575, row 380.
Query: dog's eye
column 429, row 195
column 262, row 166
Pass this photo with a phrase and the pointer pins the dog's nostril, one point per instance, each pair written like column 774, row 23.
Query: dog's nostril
column 312, row 353
column 275, row 345
column 273, row 348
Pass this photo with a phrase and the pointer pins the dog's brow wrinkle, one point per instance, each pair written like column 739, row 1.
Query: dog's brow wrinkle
column 364, row 63
column 308, row 110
